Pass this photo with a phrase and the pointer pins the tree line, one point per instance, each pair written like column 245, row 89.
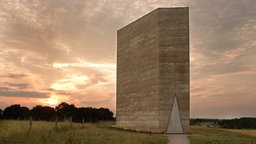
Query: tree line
column 62, row 112
column 241, row 123
column 237, row 123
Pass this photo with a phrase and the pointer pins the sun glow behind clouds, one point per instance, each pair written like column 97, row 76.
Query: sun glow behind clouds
column 52, row 101
column 70, row 82
column 72, row 79
column 82, row 64
column 91, row 85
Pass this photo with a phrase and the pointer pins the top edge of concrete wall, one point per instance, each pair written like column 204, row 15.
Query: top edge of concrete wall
column 158, row 9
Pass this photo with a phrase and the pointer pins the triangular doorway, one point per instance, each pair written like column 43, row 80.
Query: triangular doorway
column 175, row 125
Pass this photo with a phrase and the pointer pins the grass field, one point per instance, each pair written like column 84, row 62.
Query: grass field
column 214, row 135
column 17, row 132
column 246, row 132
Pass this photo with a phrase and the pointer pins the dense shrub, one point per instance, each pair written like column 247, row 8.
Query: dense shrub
column 16, row 112
column 63, row 111
column 241, row 123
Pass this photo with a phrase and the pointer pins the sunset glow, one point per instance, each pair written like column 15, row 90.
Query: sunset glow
column 52, row 102
column 52, row 52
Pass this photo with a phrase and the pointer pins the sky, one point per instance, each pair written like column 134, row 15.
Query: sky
column 65, row 50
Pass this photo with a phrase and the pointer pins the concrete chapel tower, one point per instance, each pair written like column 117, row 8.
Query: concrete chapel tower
column 153, row 72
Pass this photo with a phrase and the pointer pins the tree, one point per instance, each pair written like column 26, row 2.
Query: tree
column 16, row 112
column 241, row 123
column 83, row 113
column 1, row 114
column 92, row 114
column 65, row 110
column 42, row 113
column 105, row 114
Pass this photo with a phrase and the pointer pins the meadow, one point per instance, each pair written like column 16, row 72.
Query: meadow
column 17, row 132
column 42, row 132
column 215, row 135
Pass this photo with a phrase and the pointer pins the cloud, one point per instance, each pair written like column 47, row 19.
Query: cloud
column 95, row 79
column 25, row 94
column 57, row 92
column 69, row 29
column 82, row 75
column 92, row 98
column 19, row 85
column 4, row 88
column 218, row 30
column 66, row 49
column 96, row 102
column 12, row 75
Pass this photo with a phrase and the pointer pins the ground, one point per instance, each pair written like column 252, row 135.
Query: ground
column 15, row 132
column 215, row 135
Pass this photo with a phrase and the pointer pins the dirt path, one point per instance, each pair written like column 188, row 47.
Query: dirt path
column 178, row 139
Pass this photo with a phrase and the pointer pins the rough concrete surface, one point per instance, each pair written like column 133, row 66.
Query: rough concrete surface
column 153, row 70
column 178, row 139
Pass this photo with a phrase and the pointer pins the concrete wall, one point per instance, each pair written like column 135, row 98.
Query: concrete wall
column 153, row 69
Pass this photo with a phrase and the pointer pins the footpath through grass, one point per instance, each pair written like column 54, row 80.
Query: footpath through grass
column 17, row 132
column 214, row 135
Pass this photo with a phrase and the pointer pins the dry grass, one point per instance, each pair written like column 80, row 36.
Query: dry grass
column 243, row 131
column 214, row 135
column 16, row 132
